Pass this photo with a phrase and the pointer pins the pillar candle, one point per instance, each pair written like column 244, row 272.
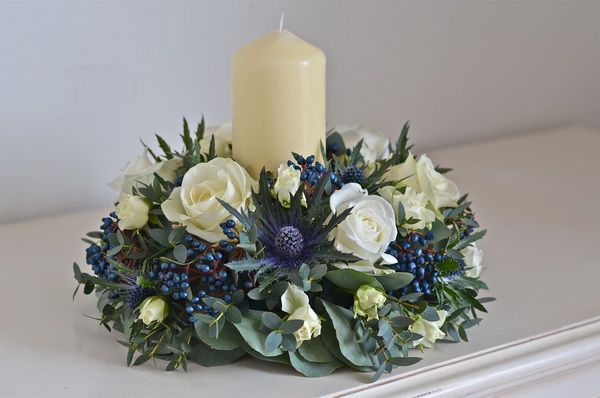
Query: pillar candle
column 278, row 101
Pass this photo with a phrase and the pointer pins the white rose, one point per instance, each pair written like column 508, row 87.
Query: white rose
column 429, row 330
column 405, row 173
column 288, row 182
column 368, row 230
column 141, row 171
column 414, row 204
column 375, row 145
column 195, row 204
column 473, row 259
column 440, row 191
column 222, row 136
column 132, row 212
column 295, row 302
column 153, row 309
column 367, row 301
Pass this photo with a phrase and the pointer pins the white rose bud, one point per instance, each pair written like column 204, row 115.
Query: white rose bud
column 440, row 191
column 414, row 204
column 288, row 182
column 367, row 301
column 195, row 205
column 295, row 302
column 370, row 227
column 153, row 309
column 429, row 330
column 473, row 259
column 141, row 171
column 132, row 212
column 375, row 146
column 404, row 174
column 222, row 136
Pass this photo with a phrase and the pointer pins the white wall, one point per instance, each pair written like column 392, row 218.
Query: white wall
column 80, row 83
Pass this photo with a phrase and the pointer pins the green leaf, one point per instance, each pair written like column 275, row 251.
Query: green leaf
column 273, row 341
column 314, row 350
column 405, row 361
column 342, row 321
column 289, row 327
column 187, row 138
column 160, row 235
column 448, row 266
column 77, row 272
column 141, row 359
column 206, row 356
column 472, row 238
column 313, row 369
column 177, row 235
column 430, row 314
column 351, row 279
column 401, row 322
column 89, row 287
column 165, row 147
column 395, row 281
column 249, row 264
column 440, row 231
column 180, row 253
column 270, row 320
column 233, row 314
column 249, row 328
column 462, row 333
column 228, row 339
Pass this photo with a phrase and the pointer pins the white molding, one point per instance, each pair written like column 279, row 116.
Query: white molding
column 498, row 370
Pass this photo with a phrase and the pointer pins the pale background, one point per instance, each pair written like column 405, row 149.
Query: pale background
column 80, row 83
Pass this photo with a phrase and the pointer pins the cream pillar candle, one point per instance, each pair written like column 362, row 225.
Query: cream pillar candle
column 278, row 101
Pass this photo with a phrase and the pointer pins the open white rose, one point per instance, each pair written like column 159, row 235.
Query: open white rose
column 195, row 203
column 429, row 330
column 405, row 173
column 375, row 146
column 222, row 136
column 141, row 171
column 295, row 302
column 370, row 227
column 132, row 212
column 473, row 259
column 288, row 182
column 367, row 302
column 153, row 309
column 440, row 190
column 414, row 204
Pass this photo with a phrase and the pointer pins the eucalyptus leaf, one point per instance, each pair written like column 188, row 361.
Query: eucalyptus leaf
column 313, row 369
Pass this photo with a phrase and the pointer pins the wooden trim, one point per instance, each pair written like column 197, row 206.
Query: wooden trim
column 497, row 370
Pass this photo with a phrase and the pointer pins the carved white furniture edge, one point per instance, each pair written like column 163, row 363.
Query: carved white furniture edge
column 537, row 194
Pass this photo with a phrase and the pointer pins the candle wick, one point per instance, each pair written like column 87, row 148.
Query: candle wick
column 281, row 21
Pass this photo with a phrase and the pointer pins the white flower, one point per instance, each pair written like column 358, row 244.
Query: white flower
column 288, row 182
column 414, row 204
column 375, row 145
column 370, row 227
column 473, row 259
column 440, row 191
column 141, row 171
column 429, row 330
column 404, row 173
column 367, row 301
column 132, row 212
column 295, row 302
column 195, row 203
column 222, row 136
column 154, row 308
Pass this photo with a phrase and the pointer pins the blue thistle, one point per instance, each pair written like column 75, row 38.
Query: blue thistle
column 295, row 235
column 136, row 294
column 353, row 174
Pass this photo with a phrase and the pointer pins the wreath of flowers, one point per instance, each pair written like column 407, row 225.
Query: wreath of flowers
column 360, row 260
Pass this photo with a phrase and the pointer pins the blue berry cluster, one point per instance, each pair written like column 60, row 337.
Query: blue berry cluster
column 95, row 253
column 415, row 256
column 353, row 174
column 174, row 282
column 311, row 171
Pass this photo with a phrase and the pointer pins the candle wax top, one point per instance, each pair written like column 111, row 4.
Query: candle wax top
column 283, row 46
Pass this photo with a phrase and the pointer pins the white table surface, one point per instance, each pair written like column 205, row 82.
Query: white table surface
column 537, row 194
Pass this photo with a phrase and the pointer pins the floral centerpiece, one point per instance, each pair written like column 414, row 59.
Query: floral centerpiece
column 362, row 258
